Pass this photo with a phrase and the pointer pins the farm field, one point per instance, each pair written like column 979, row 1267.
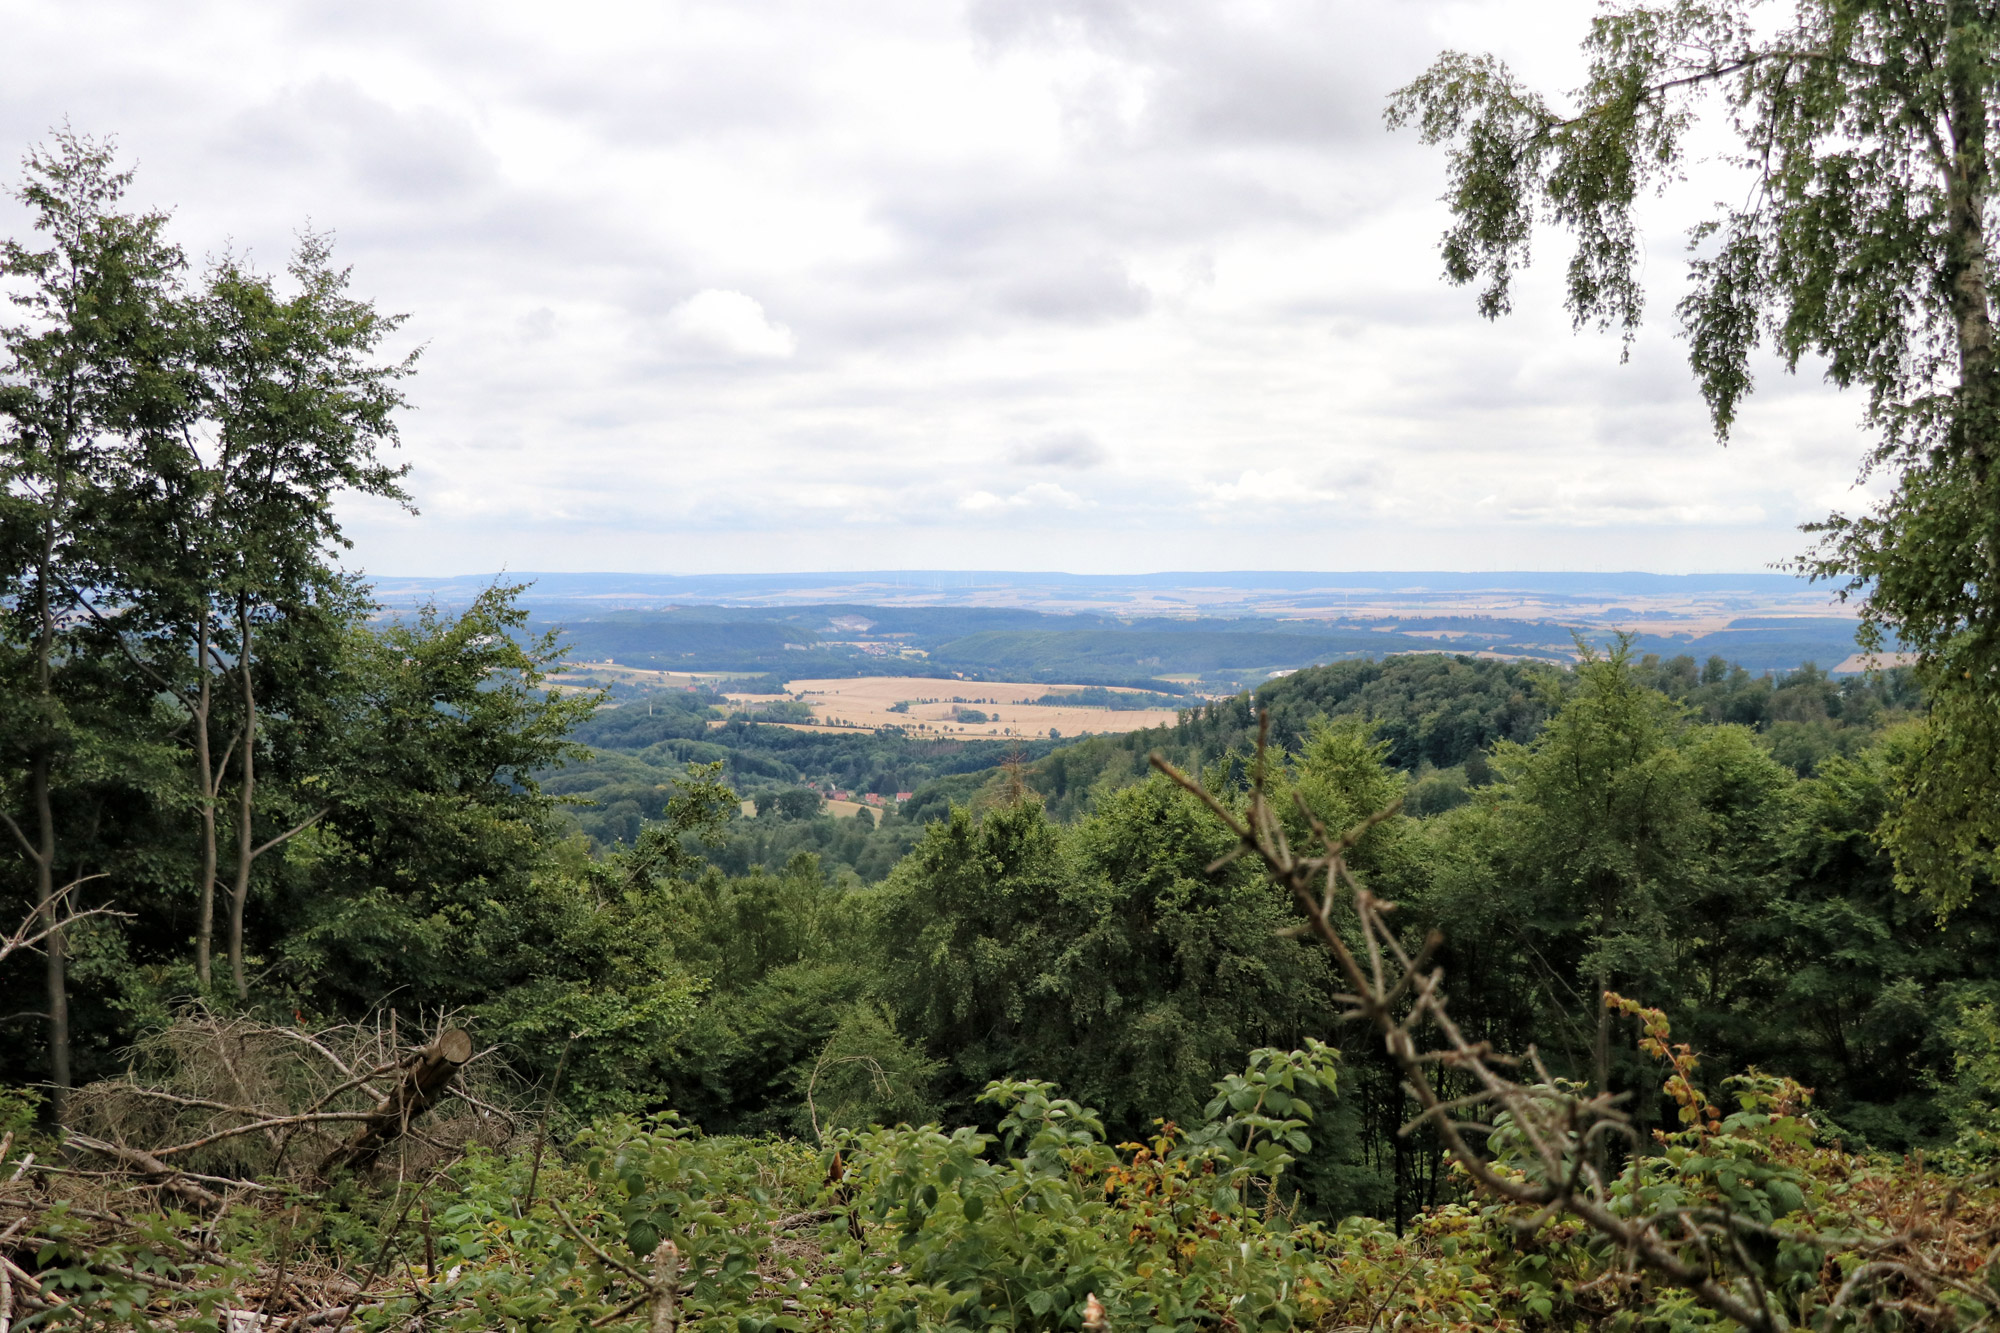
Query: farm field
column 934, row 707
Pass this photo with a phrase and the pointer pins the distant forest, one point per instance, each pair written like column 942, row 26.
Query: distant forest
column 1091, row 649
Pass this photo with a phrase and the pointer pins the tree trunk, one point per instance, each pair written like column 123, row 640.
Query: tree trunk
column 1976, row 424
column 245, row 849
column 55, row 958
column 204, row 941
column 426, row 1075
column 55, row 970
column 1602, row 1155
column 1602, row 1051
column 1968, row 263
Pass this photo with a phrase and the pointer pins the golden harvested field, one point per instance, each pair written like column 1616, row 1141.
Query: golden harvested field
column 865, row 701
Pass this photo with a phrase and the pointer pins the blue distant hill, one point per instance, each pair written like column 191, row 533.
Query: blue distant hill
column 1209, row 629
column 958, row 584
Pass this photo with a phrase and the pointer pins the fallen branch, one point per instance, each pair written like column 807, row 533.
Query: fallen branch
column 151, row 1168
column 52, row 918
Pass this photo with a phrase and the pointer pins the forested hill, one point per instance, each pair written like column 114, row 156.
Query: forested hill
column 1438, row 715
column 1057, row 894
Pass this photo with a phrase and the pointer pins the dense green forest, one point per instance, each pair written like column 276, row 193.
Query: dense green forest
column 364, row 977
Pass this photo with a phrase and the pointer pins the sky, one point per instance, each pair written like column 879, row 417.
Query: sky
column 1102, row 287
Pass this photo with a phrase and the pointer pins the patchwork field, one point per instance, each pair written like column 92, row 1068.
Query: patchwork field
column 942, row 707
column 934, row 707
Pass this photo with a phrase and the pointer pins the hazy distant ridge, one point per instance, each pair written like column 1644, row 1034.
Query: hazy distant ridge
column 962, row 583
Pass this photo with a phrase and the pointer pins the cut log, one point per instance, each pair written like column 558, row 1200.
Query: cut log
column 426, row 1075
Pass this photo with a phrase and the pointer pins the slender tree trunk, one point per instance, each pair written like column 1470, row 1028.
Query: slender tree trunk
column 1603, row 1046
column 245, row 848
column 1968, row 262
column 204, row 942
column 1399, row 1146
column 55, row 957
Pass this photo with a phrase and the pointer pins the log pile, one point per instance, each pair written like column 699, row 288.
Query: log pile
column 220, row 1114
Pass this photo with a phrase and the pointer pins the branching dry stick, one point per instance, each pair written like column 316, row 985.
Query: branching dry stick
column 38, row 925
column 1400, row 996
column 346, row 1071
column 577, row 1233
column 542, row 1130
column 362, row 1081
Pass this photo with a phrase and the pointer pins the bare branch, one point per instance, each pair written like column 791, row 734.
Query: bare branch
column 29, row 933
column 291, row 832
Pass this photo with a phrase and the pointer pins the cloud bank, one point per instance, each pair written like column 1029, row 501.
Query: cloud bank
column 1078, row 284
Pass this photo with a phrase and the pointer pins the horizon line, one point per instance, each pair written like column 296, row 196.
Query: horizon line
column 896, row 574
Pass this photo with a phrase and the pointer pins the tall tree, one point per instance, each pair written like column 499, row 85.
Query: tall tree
column 87, row 377
column 1604, row 830
column 297, row 406
column 1863, row 128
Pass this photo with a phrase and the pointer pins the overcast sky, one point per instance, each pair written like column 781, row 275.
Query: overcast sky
column 1022, row 284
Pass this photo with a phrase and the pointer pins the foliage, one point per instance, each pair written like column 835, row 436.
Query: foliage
column 749, row 1033
column 1105, row 957
column 1863, row 242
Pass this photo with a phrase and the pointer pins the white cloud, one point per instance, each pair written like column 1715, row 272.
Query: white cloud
column 1269, row 491
column 1041, row 495
column 731, row 324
